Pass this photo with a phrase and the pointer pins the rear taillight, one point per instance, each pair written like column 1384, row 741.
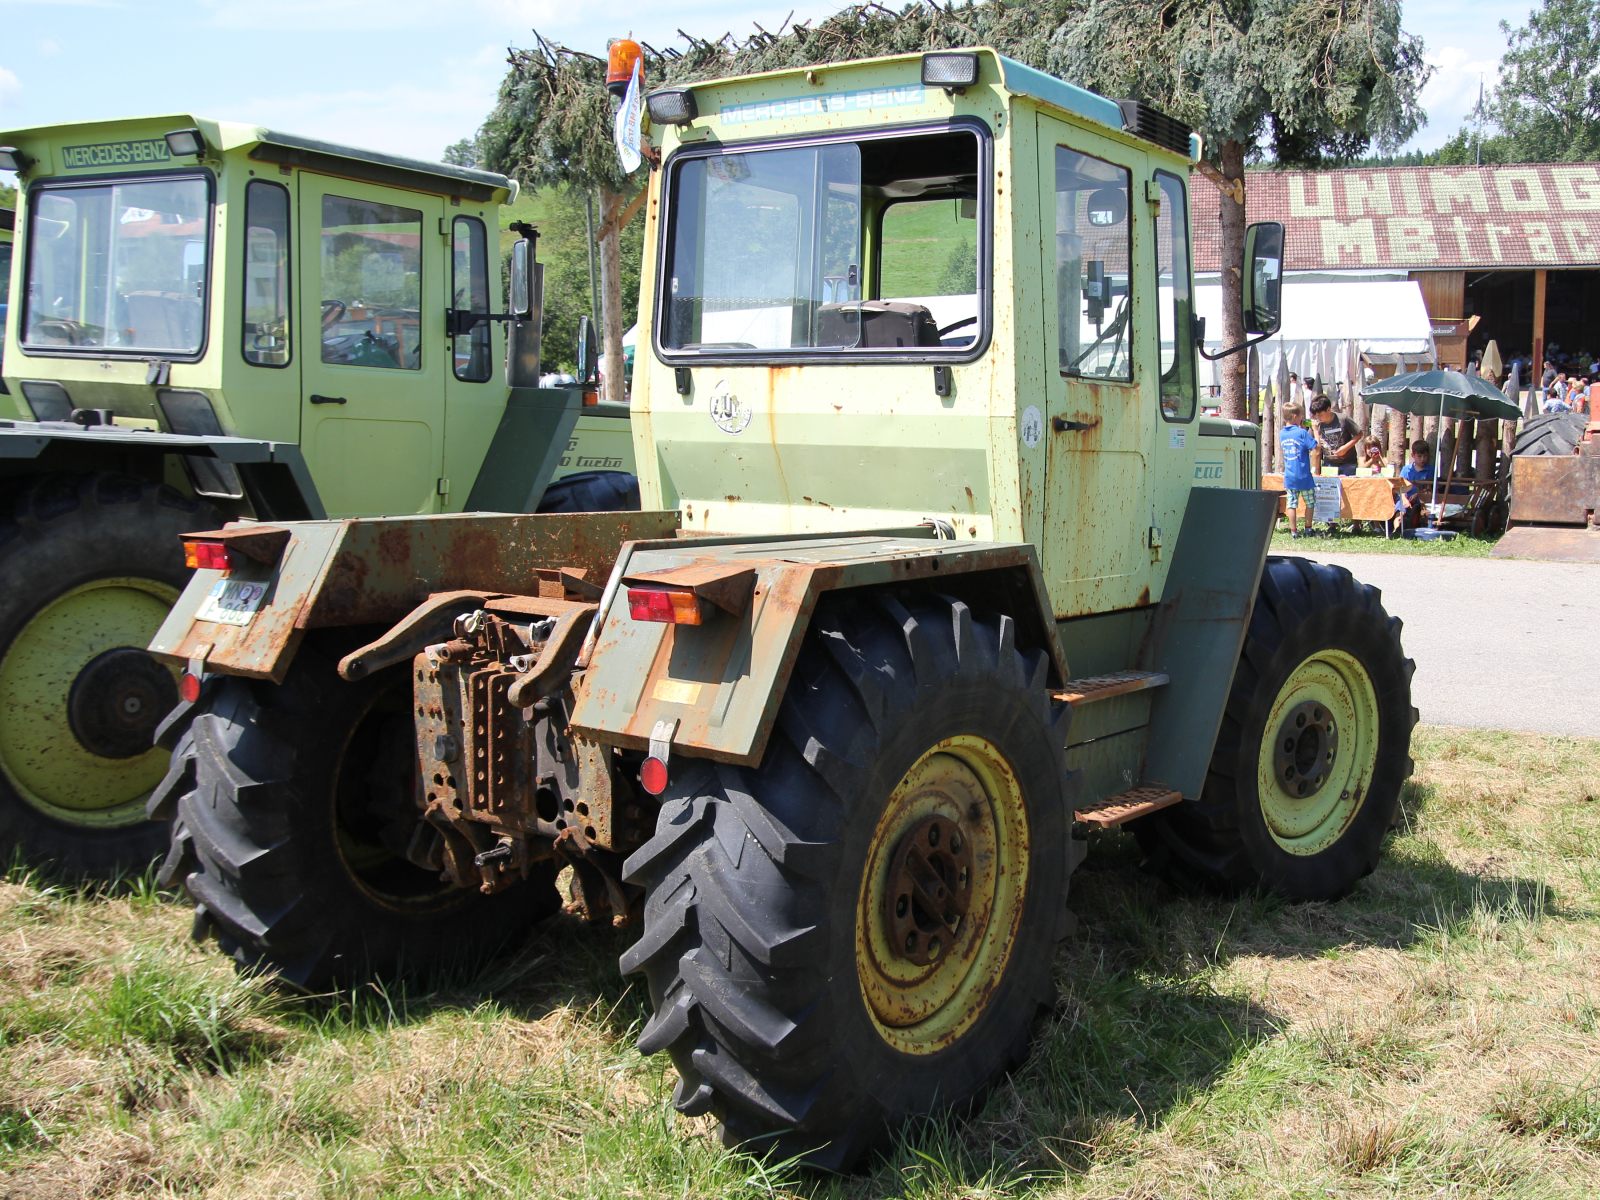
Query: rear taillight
column 206, row 556
column 672, row 606
column 189, row 687
column 653, row 776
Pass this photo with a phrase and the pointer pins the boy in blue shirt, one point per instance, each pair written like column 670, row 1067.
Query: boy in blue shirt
column 1418, row 470
column 1301, row 461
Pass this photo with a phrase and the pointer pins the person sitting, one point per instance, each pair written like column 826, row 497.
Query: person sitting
column 1337, row 435
column 1301, row 461
column 1418, row 471
column 1555, row 396
column 1372, row 456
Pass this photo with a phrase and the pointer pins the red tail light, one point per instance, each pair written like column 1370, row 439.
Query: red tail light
column 653, row 776
column 206, row 556
column 671, row 606
column 189, row 687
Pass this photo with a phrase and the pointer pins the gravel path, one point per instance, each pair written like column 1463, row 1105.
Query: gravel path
column 1499, row 643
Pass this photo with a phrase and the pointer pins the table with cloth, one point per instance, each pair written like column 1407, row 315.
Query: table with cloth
column 1361, row 497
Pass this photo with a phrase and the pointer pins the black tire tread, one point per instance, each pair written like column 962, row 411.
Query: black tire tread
column 732, row 944
column 59, row 531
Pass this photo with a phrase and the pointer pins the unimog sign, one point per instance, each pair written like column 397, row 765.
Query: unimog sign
column 934, row 573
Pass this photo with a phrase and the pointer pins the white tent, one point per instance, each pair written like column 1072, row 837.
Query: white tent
column 1326, row 324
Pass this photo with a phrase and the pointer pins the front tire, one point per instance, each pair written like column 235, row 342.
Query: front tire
column 283, row 799
column 89, row 567
column 1305, row 778
column 806, row 988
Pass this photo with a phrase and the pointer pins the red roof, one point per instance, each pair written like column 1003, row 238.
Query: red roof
column 1418, row 218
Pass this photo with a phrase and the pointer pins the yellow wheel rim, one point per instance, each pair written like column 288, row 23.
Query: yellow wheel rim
column 40, row 754
column 964, row 783
column 1318, row 751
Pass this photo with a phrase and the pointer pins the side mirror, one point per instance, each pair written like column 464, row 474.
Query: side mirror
column 1262, row 296
column 521, row 280
column 588, row 351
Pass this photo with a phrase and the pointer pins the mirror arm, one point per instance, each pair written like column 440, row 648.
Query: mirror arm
column 1245, row 345
column 460, row 321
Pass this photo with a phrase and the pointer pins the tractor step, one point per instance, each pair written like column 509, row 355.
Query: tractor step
column 1136, row 802
column 1103, row 687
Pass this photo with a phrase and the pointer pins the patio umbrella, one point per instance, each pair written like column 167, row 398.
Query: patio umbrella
column 1447, row 393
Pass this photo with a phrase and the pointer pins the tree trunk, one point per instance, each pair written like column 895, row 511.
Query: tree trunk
column 1233, row 222
column 1466, row 438
column 1444, row 445
column 1252, row 400
column 615, row 386
column 1269, row 434
column 1488, row 437
column 1415, row 431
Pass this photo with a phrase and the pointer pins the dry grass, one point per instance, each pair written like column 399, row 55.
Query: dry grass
column 1436, row 1034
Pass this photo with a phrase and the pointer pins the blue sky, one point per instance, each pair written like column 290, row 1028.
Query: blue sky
column 411, row 76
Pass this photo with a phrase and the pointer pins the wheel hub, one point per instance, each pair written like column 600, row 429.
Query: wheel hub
column 117, row 701
column 1308, row 744
column 930, row 889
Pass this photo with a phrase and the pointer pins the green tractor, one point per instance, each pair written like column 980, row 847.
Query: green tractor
column 939, row 569
column 213, row 322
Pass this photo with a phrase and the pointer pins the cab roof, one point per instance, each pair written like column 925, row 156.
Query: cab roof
column 269, row 145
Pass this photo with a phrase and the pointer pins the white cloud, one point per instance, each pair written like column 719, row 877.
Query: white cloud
column 49, row 47
column 10, row 85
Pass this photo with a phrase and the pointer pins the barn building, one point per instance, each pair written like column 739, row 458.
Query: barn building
column 1517, row 247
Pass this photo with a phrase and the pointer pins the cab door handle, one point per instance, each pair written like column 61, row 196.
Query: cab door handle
column 1062, row 425
column 315, row 399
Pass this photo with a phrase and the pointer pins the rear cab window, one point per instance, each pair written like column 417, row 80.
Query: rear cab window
column 849, row 249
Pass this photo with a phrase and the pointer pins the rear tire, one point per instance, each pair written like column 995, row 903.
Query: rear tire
column 592, row 491
column 768, row 942
column 1322, row 665
column 89, row 566
column 281, row 798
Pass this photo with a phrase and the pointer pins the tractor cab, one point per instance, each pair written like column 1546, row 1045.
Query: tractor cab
column 945, row 289
column 216, row 280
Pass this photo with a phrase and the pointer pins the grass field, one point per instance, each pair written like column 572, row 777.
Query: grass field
column 1353, row 538
column 1435, row 1034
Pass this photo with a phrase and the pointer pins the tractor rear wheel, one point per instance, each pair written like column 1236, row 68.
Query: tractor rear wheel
column 290, row 805
column 89, row 566
column 861, row 929
column 1315, row 744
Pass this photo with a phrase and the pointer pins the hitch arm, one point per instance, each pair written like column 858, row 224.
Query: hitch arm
column 429, row 622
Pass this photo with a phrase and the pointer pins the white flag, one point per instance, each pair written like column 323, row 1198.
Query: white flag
column 627, row 128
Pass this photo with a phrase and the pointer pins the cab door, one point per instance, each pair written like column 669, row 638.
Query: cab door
column 1097, row 514
column 373, row 382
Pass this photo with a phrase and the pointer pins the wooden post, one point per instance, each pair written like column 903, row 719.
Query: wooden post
column 1536, row 372
column 1269, row 433
column 611, row 331
column 1488, row 442
column 1252, row 388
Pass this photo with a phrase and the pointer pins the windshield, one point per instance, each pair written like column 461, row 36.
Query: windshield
column 766, row 250
column 869, row 245
column 119, row 266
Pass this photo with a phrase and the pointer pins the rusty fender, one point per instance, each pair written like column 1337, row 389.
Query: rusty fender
column 371, row 571
column 722, row 681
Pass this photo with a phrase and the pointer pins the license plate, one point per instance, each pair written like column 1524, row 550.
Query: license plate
column 232, row 602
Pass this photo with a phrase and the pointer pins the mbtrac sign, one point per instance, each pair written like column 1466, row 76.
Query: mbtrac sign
column 1432, row 218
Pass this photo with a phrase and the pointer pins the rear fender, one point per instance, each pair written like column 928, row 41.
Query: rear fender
column 375, row 571
column 723, row 681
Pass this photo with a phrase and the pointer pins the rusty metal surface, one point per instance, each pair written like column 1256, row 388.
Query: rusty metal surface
column 1103, row 687
column 373, row 571
column 930, row 889
column 1551, row 545
column 1554, row 489
column 1136, row 802
column 1110, row 764
column 723, row 681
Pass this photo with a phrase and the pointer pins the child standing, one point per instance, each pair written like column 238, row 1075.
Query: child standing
column 1301, row 461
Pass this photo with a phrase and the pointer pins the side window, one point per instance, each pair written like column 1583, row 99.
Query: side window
column 1175, row 306
column 1094, row 243
column 469, row 292
column 928, row 255
column 371, row 284
column 266, row 274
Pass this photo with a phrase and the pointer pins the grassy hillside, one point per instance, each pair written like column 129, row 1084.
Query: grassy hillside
column 1435, row 1034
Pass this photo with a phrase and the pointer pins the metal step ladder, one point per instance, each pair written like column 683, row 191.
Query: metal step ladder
column 1137, row 801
